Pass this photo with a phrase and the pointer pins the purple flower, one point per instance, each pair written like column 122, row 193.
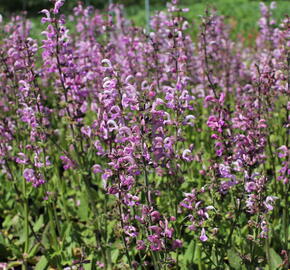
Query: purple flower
column 176, row 244
column 86, row 131
column 131, row 231
column 250, row 186
column 140, row 245
column 131, row 200
column 28, row 174
column 225, row 171
column 156, row 243
column 156, row 229
column 226, row 186
column 67, row 163
column 21, row 159
column 155, row 216
column 269, row 202
column 97, row 168
column 47, row 14
column 186, row 155
column 203, row 236
column 283, row 151
column 265, row 229
column 58, row 4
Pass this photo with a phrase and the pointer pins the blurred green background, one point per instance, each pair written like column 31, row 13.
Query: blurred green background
column 242, row 15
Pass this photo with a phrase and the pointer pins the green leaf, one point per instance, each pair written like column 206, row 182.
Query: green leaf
column 234, row 259
column 83, row 209
column 115, row 255
column 45, row 237
column 42, row 264
column 91, row 265
column 14, row 264
column 110, row 227
column 34, row 250
column 189, row 253
column 11, row 221
column 4, row 252
column 276, row 260
column 38, row 224
column 15, row 251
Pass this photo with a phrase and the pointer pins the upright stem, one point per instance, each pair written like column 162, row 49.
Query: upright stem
column 268, row 253
column 26, row 227
column 123, row 234
column 199, row 262
column 52, row 227
column 286, row 220
column 155, row 256
column 53, row 232
column 26, row 224
column 286, row 186
column 207, row 72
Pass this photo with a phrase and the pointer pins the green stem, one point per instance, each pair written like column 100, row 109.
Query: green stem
column 268, row 254
column 286, row 220
column 55, row 243
column 26, row 225
column 155, row 256
column 199, row 260
column 52, row 227
column 123, row 236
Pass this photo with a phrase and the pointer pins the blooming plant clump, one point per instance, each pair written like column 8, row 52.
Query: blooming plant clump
column 122, row 148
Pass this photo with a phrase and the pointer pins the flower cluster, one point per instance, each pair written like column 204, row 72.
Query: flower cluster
column 140, row 148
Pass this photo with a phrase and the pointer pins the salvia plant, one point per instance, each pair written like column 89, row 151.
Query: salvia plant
column 131, row 148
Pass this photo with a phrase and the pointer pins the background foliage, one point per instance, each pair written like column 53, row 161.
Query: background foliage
column 242, row 15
